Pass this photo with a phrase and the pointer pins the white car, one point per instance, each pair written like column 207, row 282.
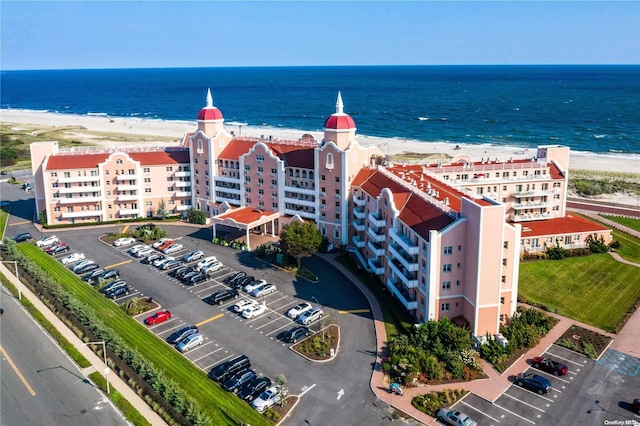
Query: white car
column 311, row 316
column 125, row 241
column 190, row 342
column 266, row 399
column 159, row 262
column 47, row 241
column 160, row 242
column 137, row 248
column 212, row 267
column 254, row 311
column 299, row 309
column 144, row 252
column 244, row 304
column 253, row 285
column 73, row 257
column 264, row 290
column 206, row 261
column 174, row 248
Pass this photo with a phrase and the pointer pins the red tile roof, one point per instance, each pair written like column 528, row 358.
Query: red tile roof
column 91, row 161
column 235, row 149
column 246, row 215
column 292, row 155
column 569, row 224
column 153, row 158
column 79, row 161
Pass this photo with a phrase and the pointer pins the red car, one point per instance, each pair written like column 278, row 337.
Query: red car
column 158, row 317
column 636, row 405
column 550, row 366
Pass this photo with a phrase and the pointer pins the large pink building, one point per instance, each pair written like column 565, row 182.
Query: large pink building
column 445, row 238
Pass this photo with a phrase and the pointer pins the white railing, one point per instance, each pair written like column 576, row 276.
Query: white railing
column 301, row 213
column 410, row 265
column 409, row 305
column 183, row 194
column 127, row 187
column 409, row 282
column 128, row 197
column 227, row 179
column 299, row 190
column 76, row 179
column 86, row 213
column 181, row 184
column 357, row 241
column 359, row 213
column 358, row 225
column 377, row 221
column 360, row 202
column 299, row 202
column 182, row 174
column 377, row 251
column 376, row 267
column 129, row 211
column 121, row 178
column 378, row 238
column 73, row 189
column 182, row 208
column 79, row 200
column 404, row 241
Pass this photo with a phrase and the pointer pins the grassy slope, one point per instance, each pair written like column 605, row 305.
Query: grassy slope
column 221, row 406
column 625, row 221
column 4, row 217
column 595, row 289
column 630, row 249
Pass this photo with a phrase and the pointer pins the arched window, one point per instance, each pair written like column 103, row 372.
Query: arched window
column 329, row 161
column 297, row 173
column 290, row 172
column 310, row 175
column 304, row 174
column 355, row 156
column 200, row 148
column 226, row 164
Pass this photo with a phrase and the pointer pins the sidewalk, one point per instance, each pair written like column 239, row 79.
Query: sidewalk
column 97, row 363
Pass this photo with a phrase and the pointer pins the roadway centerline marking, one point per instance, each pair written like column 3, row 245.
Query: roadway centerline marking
column 124, row 230
column 118, row 264
column 354, row 311
column 20, row 223
column 18, row 373
column 209, row 320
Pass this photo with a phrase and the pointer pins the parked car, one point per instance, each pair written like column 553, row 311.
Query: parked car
column 73, row 257
column 177, row 336
column 244, row 304
column 455, row 418
column 173, row 248
column 550, row 366
column 243, row 281
column 299, row 309
column 58, row 248
column 235, row 276
column 186, row 278
column 93, row 275
column 170, row 264
column 87, row 268
column 75, row 266
column 212, row 267
column 161, row 242
column 204, row 262
column 193, row 256
column 144, row 252
column 47, row 241
column 219, row 297
column 151, row 258
column 110, row 274
column 533, row 382
column 197, row 278
column 175, row 272
column 238, row 380
column 266, row 399
column 159, row 262
column 158, row 317
column 310, row 316
column 264, row 290
column 112, row 285
column 117, row 291
column 165, row 245
column 124, row 241
column 254, row 311
column 133, row 250
column 636, row 405
column 296, row 333
column 183, row 271
column 253, row 285
column 27, row 187
column 190, row 342
column 254, row 389
column 25, row 236
column 225, row 370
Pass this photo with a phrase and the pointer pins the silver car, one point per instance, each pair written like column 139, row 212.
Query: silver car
column 190, row 342
column 310, row 316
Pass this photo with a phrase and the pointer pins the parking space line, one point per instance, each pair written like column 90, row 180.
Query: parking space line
column 218, row 362
column 170, row 329
column 207, row 354
column 533, row 393
column 568, row 360
column 209, row 320
column 511, row 412
column 196, row 348
column 125, row 296
column 277, row 300
column 263, row 325
column 551, row 375
column 205, row 289
column 278, row 329
column 354, row 311
column 118, row 264
column 475, row 409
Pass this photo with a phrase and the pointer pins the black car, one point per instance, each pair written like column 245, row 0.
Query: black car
column 198, row 278
column 117, row 291
column 222, row 372
column 57, row 249
column 533, row 382
column 93, row 275
column 25, row 236
column 87, row 268
column 184, row 271
column 255, row 388
column 219, row 297
column 181, row 334
column 186, row 277
column 110, row 274
column 112, row 285
column 235, row 276
column 239, row 380
column 180, row 270
column 296, row 333
column 242, row 282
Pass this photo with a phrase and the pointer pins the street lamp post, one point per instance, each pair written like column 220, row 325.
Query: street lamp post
column 15, row 264
column 106, row 367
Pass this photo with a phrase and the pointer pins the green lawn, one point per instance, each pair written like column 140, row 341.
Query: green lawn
column 630, row 246
column 625, row 221
column 4, row 217
column 222, row 407
column 594, row 289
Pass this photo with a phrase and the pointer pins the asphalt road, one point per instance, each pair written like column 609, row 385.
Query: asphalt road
column 39, row 385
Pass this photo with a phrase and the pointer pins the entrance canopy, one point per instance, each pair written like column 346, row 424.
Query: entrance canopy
column 246, row 218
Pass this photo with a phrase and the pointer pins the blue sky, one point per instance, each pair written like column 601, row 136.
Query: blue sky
column 142, row 34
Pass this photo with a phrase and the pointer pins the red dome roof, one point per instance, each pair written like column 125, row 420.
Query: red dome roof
column 210, row 113
column 339, row 122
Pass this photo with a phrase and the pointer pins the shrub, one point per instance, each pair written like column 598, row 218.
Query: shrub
column 197, row 216
column 589, row 350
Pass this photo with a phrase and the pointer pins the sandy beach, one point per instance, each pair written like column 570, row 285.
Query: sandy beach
column 175, row 130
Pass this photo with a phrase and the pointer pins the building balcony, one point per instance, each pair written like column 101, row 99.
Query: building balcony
column 79, row 200
column 376, row 236
column 128, row 197
column 531, row 216
column 182, row 208
column 405, row 298
column 522, row 206
column 358, row 225
column 404, row 241
column 127, row 212
column 408, row 262
column 359, row 213
column 301, row 213
column 376, row 267
column 360, row 202
column 376, row 249
column 299, row 202
column 230, row 200
column 534, row 193
column 77, row 179
column 121, row 178
column 299, row 190
column 357, row 241
column 181, row 184
column 123, row 187
column 377, row 221
column 75, row 189
column 225, row 190
column 410, row 279
column 86, row 213
column 182, row 194
column 182, row 174
column 227, row 179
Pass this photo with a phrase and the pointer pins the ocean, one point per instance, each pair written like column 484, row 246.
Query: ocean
column 589, row 108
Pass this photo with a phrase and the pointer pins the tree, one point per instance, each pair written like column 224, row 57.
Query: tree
column 162, row 210
column 197, row 216
column 281, row 385
column 300, row 240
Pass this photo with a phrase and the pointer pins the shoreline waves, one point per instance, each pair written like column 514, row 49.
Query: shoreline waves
column 604, row 162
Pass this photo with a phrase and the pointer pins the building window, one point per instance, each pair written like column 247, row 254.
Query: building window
column 322, row 177
column 147, row 180
column 146, row 170
column 118, row 162
column 169, row 178
column 459, row 265
column 448, row 250
column 54, row 185
column 323, row 231
column 446, row 285
column 274, row 171
column 337, row 215
column 169, row 169
column 504, row 262
column 337, row 203
column 502, row 300
column 503, row 279
column 329, row 164
column 170, row 188
column 505, row 244
column 445, row 307
column 446, row 267
column 132, row 172
column 337, row 178
column 67, row 174
column 147, row 190
column 336, row 233
column 247, row 168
